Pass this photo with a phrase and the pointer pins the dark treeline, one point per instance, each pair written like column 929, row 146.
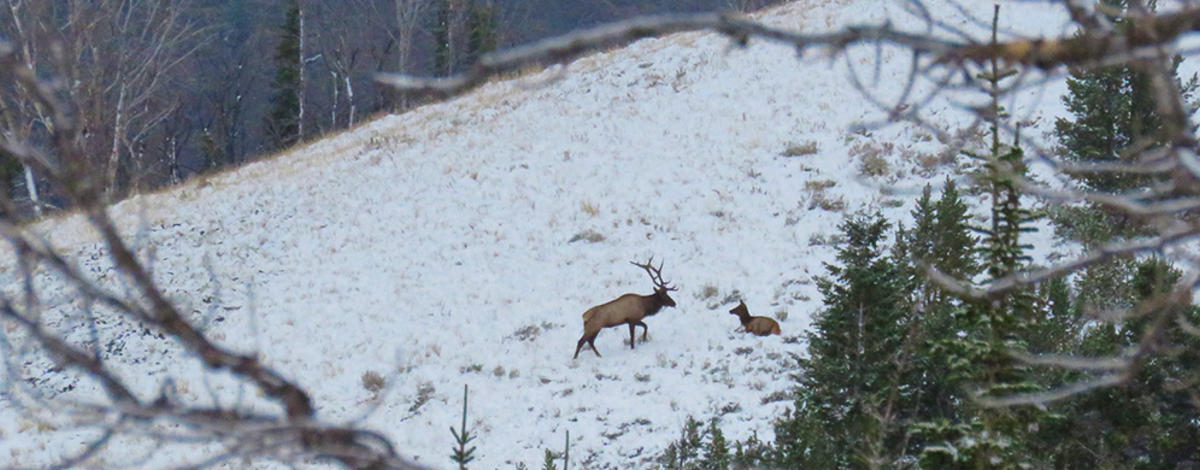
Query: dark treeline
column 164, row 89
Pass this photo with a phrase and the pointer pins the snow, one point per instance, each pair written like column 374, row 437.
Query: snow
column 434, row 247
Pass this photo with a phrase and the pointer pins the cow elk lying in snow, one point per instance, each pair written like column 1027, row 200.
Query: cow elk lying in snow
column 761, row 326
column 627, row 309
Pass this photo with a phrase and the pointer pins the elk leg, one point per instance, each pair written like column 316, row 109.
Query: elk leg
column 644, row 330
column 591, row 341
column 632, row 327
column 578, row 346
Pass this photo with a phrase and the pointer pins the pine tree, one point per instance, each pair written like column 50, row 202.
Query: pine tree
column 454, row 20
column 461, row 454
column 966, row 434
column 954, row 244
column 751, row 453
column 916, row 247
column 11, row 171
column 1149, row 421
column 716, row 452
column 851, row 365
column 548, row 461
column 283, row 123
column 443, row 49
column 941, row 238
column 482, row 29
column 1113, row 118
column 1057, row 330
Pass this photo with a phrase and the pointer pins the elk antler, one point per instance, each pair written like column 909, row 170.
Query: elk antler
column 655, row 273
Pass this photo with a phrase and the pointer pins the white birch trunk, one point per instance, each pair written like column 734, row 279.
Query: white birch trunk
column 114, row 156
column 350, row 99
column 31, row 186
column 333, row 108
column 300, row 86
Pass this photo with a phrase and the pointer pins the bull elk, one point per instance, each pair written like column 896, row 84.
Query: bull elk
column 761, row 326
column 627, row 309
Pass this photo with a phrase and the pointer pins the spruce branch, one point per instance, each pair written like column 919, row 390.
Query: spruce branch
column 462, row 455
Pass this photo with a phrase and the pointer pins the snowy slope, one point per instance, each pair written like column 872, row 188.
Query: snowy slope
column 435, row 247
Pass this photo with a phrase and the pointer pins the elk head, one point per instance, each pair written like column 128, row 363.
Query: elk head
column 660, row 287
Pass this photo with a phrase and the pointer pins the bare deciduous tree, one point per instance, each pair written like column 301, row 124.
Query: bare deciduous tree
column 115, row 57
column 120, row 413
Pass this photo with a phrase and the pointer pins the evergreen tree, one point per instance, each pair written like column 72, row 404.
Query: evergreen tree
column 548, row 461
column 1058, row 327
column 716, row 452
column 751, row 453
column 852, row 359
column 482, row 29
column 966, row 434
column 1139, row 424
column 916, row 248
column 1113, row 118
column 283, row 123
column 954, row 244
column 1149, row 421
column 11, row 171
column 443, row 49
column 941, row 237
column 456, row 20
column 687, row 452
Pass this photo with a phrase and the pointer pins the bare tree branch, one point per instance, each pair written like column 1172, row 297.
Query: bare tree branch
column 297, row 431
column 1112, row 250
column 1049, row 396
column 1147, row 31
column 568, row 47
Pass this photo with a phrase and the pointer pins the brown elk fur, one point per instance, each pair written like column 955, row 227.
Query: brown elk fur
column 761, row 326
column 628, row 309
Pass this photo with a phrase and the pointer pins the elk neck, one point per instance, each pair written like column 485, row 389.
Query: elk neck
column 742, row 313
column 744, row 318
column 651, row 304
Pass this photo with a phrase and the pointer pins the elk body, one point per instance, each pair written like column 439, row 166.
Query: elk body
column 628, row 309
column 761, row 326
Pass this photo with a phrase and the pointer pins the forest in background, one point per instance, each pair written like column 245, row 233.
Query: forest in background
column 167, row 89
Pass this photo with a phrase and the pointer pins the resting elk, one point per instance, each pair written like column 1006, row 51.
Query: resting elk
column 761, row 326
column 627, row 309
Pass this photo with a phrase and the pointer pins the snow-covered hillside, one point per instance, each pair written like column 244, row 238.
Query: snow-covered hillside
column 459, row 243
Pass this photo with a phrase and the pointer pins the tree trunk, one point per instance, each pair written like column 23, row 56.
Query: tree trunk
column 173, row 160
column 350, row 99
column 300, row 86
column 334, row 106
column 114, row 156
column 31, row 186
